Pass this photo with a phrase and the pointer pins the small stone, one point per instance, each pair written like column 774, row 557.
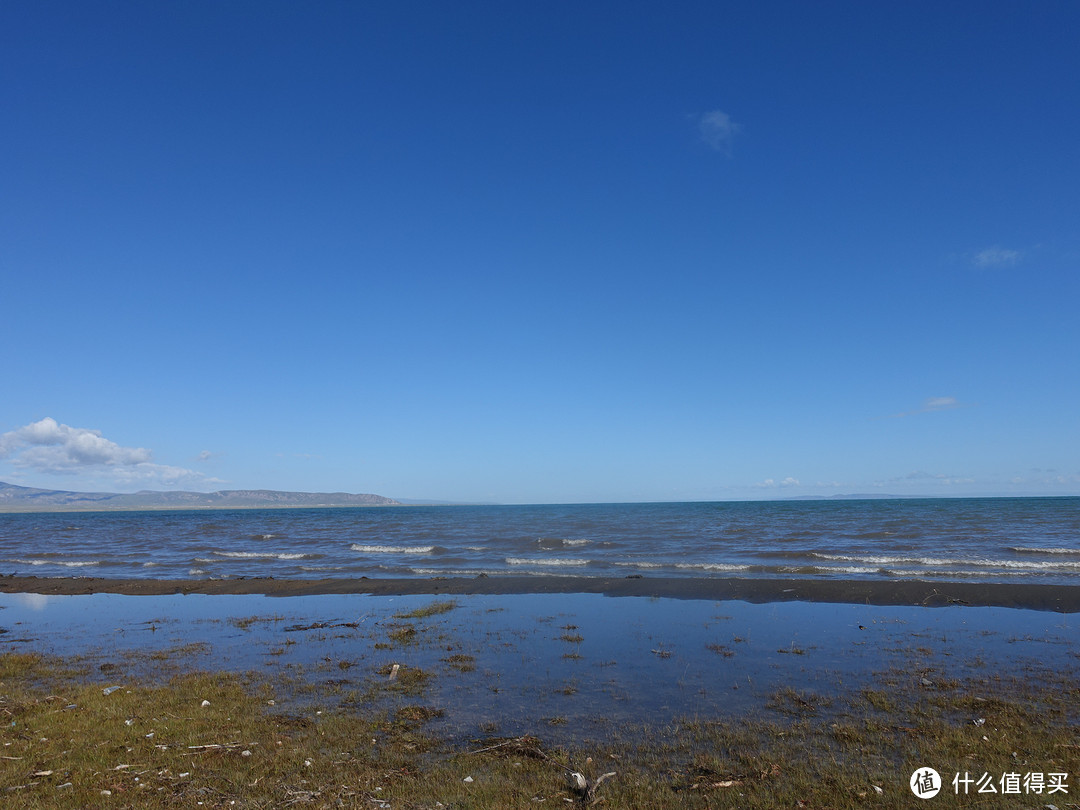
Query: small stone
column 468, row 780
column 245, row 753
column 205, row 703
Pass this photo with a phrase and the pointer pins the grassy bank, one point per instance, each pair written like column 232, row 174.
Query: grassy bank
column 223, row 740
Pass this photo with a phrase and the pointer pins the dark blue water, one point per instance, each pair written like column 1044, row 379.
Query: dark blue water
column 979, row 539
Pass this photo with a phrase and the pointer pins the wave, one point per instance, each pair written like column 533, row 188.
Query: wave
column 65, row 563
column 392, row 549
column 258, row 555
column 940, row 562
column 561, row 542
column 712, row 567
column 1035, row 550
column 553, row 561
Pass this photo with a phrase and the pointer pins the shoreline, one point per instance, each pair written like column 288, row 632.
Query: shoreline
column 915, row 593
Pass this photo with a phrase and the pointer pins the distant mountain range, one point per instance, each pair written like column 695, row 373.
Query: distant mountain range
column 27, row 499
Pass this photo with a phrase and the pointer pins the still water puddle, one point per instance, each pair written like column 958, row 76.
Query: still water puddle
column 566, row 664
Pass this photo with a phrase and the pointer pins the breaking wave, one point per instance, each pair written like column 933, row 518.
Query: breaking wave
column 553, row 561
column 258, row 555
column 392, row 549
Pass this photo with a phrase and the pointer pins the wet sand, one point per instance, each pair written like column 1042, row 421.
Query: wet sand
column 1058, row 598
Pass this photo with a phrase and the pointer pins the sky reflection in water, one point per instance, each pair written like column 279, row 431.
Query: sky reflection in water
column 566, row 664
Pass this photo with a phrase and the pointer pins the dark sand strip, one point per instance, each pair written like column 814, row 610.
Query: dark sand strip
column 1060, row 598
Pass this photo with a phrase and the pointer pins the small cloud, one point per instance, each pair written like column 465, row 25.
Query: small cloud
column 718, row 130
column 996, row 256
column 939, row 404
column 932, row 405
column 922, row 475
column 205, row 455
column 50, row 447
column 772, row 483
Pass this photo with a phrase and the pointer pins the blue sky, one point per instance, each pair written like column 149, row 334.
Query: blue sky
column 541, row 252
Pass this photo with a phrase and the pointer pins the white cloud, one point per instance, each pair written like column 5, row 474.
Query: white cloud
column 718, row 130
column 933, row 404
column 928, row 477
column 939, row 404
column 996, row 256
column 772, row 483
column 50, row 447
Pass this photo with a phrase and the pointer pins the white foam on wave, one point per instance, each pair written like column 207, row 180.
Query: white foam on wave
column 553, row 561
column 392, row 549
column 561, row 542
column 712, row 567
column 255, row 555
column 65, row 563
column 1035, row 550
column 827, row 569
column 941, row 562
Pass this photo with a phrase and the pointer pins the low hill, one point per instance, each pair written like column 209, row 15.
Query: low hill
column 28, row 499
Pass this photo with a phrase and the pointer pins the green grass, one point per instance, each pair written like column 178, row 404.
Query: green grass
column 433, row 609
column 65, row 744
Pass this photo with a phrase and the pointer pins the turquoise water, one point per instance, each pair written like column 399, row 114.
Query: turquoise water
column 982, row 539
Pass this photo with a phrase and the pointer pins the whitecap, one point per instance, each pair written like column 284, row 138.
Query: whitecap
column 252, row 555
column 712, row 567
column 546, row 562
column 941, row 562
column 392, row 549
column 1034, row 550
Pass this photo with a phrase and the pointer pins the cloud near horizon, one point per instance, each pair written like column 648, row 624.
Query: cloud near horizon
column 49, row 447
column 772, row 483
